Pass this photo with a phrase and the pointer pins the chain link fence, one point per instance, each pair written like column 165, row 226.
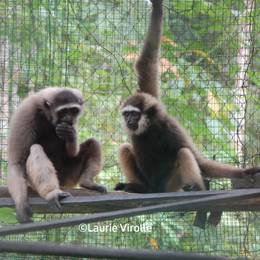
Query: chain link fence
column 210, row 83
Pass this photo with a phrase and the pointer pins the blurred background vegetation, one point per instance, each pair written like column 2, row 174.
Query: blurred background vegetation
column 210, row 81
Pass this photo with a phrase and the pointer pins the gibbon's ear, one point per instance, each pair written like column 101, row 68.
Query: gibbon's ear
column 47, row 104
column 151, row 111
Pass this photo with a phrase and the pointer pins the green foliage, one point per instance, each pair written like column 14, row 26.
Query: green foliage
column 7, row 216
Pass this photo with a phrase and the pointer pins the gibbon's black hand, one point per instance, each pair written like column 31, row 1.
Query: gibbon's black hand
column 54, row 203
column 93, row 186
column 250, row 174
column 66, row 132
column 24, row 213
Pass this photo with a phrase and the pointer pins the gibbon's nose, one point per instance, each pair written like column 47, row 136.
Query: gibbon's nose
column 132, row 125
column 68, row 120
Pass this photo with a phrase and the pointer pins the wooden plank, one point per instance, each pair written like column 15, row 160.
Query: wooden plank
column 111, row 215
column 4, row 193
column 51, row 249
column 85, row 201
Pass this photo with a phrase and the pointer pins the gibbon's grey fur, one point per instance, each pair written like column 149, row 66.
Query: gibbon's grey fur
column 161, row 156
column 43, row 151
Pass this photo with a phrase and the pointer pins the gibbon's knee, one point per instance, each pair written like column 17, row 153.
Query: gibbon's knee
column 91, row 155
column 186, row 172
column 128, row 163
column 189, row 168
column 41, row 172
column 91, row 149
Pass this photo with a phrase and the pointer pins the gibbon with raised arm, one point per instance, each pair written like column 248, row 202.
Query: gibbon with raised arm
column 161, row 156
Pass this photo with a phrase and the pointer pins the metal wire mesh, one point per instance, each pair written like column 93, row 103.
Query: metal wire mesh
column 210, row 79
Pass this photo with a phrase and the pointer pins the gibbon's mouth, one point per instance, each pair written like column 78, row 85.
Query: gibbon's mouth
column 63, row 123
column 132, row 126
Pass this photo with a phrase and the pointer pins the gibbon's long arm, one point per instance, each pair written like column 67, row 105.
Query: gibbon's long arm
column 20, row 139
column 209, row 168
column 213, row 169
column 72, row 148
column 69, row 134
column 147, row 65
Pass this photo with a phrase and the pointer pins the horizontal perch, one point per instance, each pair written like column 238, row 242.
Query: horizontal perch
column 86, row 251
column 112, row 215
column 86, row 201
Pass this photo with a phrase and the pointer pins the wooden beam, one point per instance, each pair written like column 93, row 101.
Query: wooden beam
column 85, row 201
column 4, row 193
column 51, row 249
column 112, row 215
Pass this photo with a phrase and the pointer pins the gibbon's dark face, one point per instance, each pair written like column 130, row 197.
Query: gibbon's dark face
column 68, row 115
column 132, row 116
column 139, row 111
column 66, row 107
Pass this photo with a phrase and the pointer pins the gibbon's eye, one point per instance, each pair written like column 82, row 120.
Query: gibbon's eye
column 135, row 114
column 74, row 110
column 126, row 113
column 62, row 112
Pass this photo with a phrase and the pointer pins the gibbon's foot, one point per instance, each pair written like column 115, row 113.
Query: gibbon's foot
column 55, row 199
column 250, row 174
column 93, row 186
column 24, row 213
column 200, row 219
column 120, row 186
column 215, row 218
column 130, row 187
column 156, row 2
column 193, row 187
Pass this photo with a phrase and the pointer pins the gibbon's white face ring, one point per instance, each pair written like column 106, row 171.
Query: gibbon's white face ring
column 69, row 105
column 130, row 108
column 142, row 123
